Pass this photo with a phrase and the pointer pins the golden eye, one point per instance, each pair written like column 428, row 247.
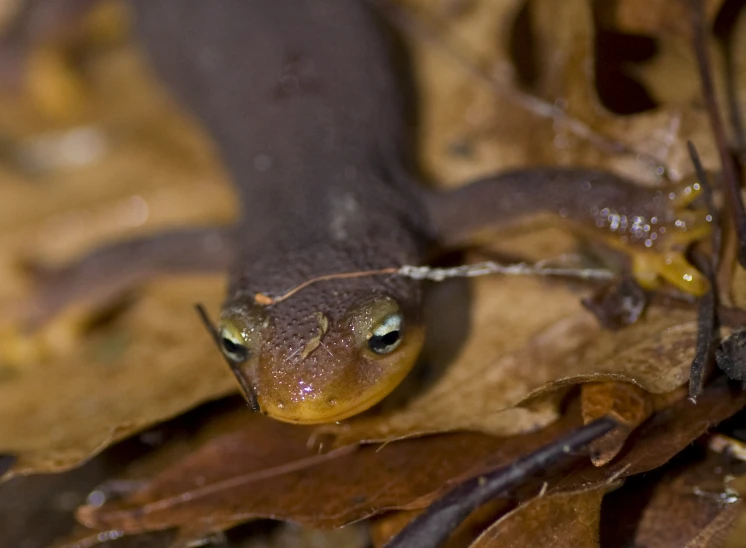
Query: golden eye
column 233, row 343
column 387, row 335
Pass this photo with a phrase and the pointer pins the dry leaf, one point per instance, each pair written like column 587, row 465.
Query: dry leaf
column 684, row 504
column 475, row 126
column 664, row 435
column 515, row 324
column 531, row 363
column 237, row 477
column 563, row 520
column 37, row 510
column 155, row 360
column 654, row 17
column 629, row 405
column 526, row 338
column 652, row 445
column 509, row 361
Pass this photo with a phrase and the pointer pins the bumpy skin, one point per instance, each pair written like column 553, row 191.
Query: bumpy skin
column 308, row 117
column 653, row 225
column 304, row 105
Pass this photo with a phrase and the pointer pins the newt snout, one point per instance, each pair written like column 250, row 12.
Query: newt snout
column 317, row 367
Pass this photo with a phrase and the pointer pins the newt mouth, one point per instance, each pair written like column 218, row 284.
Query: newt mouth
column 354, row 386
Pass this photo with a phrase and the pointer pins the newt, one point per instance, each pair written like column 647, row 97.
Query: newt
column 308, row 113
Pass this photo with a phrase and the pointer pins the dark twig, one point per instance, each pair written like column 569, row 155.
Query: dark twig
column 699, row 43
column 433, row 527
column 706, row 328
column 707, row 315
column 709, row 198
column 734, row 105
column 246, row 388
column 726, row 29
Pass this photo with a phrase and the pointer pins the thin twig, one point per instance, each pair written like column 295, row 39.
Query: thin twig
column 491, row 267
column 732, row 185
column 709, row 198
column 266, row 300
column 727, row 32
column 707, row 315
column 433, row 274
column 706, row 328
column 439, row 520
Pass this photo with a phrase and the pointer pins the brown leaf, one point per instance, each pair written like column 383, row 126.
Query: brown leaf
column 569, row 519
column 671, row 76
column 37, row 509
column 154, row 362
column 236, row 477
column 687, row 505
column 626, row 403
column 154, row 158
column 63, row 397
column 652, row 445
column 654, row 17
column 479, row 393
column 664, row 435
column 518, row 353
column 474, row 126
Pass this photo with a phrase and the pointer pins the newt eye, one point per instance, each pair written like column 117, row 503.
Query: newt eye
column 387, row 335
column 233, row 344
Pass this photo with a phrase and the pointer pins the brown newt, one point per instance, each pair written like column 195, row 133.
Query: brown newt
column 303, row 101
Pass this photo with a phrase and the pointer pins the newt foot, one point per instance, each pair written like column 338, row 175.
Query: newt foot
column 650, row 268
column 665, row 239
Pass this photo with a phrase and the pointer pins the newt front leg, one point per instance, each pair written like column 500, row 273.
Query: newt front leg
column 110, row 271
column 653, row 225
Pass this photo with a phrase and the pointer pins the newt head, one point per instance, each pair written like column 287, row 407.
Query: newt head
column 305, row 365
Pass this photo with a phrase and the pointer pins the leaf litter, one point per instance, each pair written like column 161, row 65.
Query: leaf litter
column 282, row 478
column 506, row 368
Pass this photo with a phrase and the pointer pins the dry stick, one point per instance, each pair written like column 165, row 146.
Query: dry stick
column 442, row 517
column 263, row 299
column 736, row 117
column 440, row 274
column 726, row 20
column 731, row 81
column 699, row 43
column 712, row 210
column 246, row 387
column 706, row 329
column 707, row 315
column 421, row 30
